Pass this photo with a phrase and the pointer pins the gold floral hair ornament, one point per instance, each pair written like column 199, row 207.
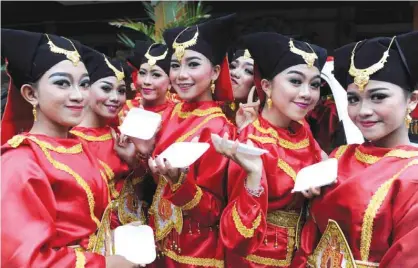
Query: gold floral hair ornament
column 181, row 47
column 247, row 54
column 309, row 58
column 119, row 75
column 152, row 60
column 362, row 76
column 73, row 56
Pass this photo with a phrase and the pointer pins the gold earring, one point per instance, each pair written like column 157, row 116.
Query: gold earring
column 212, row 86
column 408, row 118
column 269, row 103
column 34, row 112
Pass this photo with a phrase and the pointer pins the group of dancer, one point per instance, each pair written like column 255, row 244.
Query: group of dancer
column 69, row 177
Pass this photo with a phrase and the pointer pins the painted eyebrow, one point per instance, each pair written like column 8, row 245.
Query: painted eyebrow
column 376, row 89
column 108, row 83
column 193, row 58
column 249, row 64
column 60, row 74
column 296, row 72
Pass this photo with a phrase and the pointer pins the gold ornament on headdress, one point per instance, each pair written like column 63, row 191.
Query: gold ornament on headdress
column 309, row 58
column 181, row 47
column 119, row 75
column 247, row 54
column 73, row 56
column 362, row 76
column 152, row 60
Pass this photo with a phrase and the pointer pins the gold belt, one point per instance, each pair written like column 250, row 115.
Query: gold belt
column 282, row 218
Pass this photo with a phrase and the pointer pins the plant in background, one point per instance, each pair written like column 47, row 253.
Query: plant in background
column 164, row 15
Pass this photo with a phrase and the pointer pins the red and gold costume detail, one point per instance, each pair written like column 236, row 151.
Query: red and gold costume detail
column 125, row 206
column 369, row 217
column 53, row 199
column 263, row 231
column 185, row 218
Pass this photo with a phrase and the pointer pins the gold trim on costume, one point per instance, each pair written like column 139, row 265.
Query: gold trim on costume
column 286, row 168
column 120, row 75
column 111, row 179
column 333, row 247
column 179, row 48
column 73, row 56
column 239, row 225
column 282, row 142
column 137, row 180
column 128, row 205
column 152, row 60
column 195, row 201
column 61, row 166
column 371, row 159
column 206, row 262
column 80, row 259
column 195, row 129
column 281, row 218
column 365, row 158
column 340, row 151
column 362, row 76
column 80, row 134
column 164, row 226
column 309, row 58
column 372, row 209
column 275, row 262
column 197, row 112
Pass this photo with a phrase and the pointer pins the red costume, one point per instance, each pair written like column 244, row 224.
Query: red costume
column 186, row 220
column 369, row 217
column 262, row 231
column 53, row 198
column 125, row 203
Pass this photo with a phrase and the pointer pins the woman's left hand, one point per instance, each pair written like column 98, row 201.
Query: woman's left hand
column 124, row 148
column 163, row 167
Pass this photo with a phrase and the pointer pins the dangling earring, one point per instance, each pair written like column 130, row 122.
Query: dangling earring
column 408, row 118
column 34, row 112
column 212, row 86
column 269, row 103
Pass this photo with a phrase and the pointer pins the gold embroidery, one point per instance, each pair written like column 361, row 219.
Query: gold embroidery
column 286, row 168
column 365, row 158
column 262, row 140
column 340, row 151
column 163, row 227
column 195, row 201
column 111, row 179
column 80, row 134
column 67, row 169
column 282, row 142
column 15, row 141
column 333, row 246
column 107, row 185
column 371, row 159
column 128, row 205
column 207, row 262
column 92, row 242
column 282, row 218
column 80, row 259
column 197, row 112
column 137, row 180
column 239, row 225
column 371, row 211
column 275, row 262
column 196, row 128
column 366, row 264
column 129, row 104
column 103, row 242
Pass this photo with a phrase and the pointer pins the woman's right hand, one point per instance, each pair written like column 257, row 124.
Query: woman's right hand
column 117, row 261
column 247, row 112
column 252, row 164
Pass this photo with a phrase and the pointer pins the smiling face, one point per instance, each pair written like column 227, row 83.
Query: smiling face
column 60, row 95
column 107, row 96
column 154, row 83
column 242, row 76
column 192, row 76
column 294, row 92
column 379, row 110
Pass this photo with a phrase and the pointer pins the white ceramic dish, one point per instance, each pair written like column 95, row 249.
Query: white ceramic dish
column 183, row 154
column 317, row 175
column 242, row 147
column 140, row 124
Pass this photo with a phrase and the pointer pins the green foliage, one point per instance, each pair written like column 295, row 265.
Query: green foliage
column 176, row 14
